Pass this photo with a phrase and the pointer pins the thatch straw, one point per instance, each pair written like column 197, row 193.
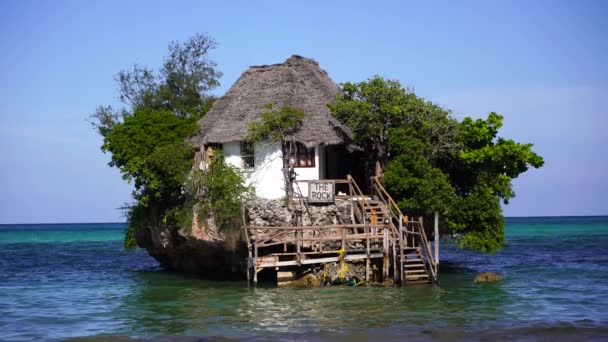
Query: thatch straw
column 298, row 82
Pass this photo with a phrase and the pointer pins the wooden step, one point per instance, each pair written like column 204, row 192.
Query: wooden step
column 417, row 281
column 416, row 276
column 412, row 260
column 411, row 282
column 415, row 271
column 413, row 265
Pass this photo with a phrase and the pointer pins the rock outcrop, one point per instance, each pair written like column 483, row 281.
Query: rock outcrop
column 203, row 251
column 269, row 213
column 487, row 277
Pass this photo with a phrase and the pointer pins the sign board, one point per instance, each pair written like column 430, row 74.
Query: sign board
column 321, row 192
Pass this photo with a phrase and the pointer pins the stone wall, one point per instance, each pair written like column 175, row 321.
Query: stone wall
column 268, row 213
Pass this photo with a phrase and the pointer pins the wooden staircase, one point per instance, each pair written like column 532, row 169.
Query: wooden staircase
column 378, row 234
column 411, row 249
column 376, row 211
column 414, row 267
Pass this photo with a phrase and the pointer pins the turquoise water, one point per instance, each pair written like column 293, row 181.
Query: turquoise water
column 75, row 280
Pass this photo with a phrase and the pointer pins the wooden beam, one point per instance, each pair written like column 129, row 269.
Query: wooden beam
column 436, row 238
column 385, row 257
column 367, row 247
column 318, row 260
column 330, row 226
column 401, row 247
column 255, row 259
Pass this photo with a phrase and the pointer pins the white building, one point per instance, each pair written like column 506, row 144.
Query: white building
column 321, row 140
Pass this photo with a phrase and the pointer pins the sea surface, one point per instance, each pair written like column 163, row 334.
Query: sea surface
column 66, row 281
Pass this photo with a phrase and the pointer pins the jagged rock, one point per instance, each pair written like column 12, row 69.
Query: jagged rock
column 269, row 213
column 204, row 251
column 487, row 277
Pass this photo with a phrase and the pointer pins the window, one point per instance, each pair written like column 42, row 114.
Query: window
column 247, row 155
column 303, row 156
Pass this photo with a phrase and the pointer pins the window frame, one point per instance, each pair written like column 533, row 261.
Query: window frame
column 304, row 157
column 247, row 152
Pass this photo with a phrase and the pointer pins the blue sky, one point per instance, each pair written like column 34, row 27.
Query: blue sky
column 542, row 64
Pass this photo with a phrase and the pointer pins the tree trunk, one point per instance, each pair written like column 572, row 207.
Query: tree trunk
column 380, row 158
column 285, row 154
column 378, row 171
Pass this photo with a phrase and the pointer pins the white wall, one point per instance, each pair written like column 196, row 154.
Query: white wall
column 267, row 177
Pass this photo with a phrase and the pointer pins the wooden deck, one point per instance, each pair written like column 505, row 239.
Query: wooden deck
column 380, row 234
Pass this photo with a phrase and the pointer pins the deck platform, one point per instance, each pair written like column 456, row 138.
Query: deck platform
column 380, row 234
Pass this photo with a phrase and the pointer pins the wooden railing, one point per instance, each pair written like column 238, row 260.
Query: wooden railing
column 362, row 239
column 362, row 202
column 416, row 228
column 314, row 245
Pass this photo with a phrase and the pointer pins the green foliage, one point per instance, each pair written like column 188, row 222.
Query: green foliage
column 478, row 216
column 432, row 162
column 419, row 187
column 225, row 191
column 180, row 85
column 482, row 172
column 276, row 125
column 279, row 126
column 370, row 109
column 129, row 240
column 146, row 139
column 148, row 148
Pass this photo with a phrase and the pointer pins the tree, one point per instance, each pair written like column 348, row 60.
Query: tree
column 370, row 109
column 180, row 86
column 146, row 138
column 279, row 126
column 432, row 162
column 482, row 173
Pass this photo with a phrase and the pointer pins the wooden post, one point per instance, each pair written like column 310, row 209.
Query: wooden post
column 255, row 259
column 401, row 246
column 436, row 238
column 406, row 219
column 421, row 226
column 385, row 257
column 249, row 256
column 394, row 260
column 352, row 200
column 249, row 264
column 298, row 246
column 367, row 261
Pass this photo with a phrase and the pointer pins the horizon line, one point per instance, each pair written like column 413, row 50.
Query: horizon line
column 124, row 222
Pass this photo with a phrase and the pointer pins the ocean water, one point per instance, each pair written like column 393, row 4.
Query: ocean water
column 76, row 281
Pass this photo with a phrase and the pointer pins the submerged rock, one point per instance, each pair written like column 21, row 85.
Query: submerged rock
column 487, row 277
column 307, row 280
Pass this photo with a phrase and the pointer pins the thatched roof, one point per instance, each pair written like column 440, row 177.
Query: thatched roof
column 298, row 82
